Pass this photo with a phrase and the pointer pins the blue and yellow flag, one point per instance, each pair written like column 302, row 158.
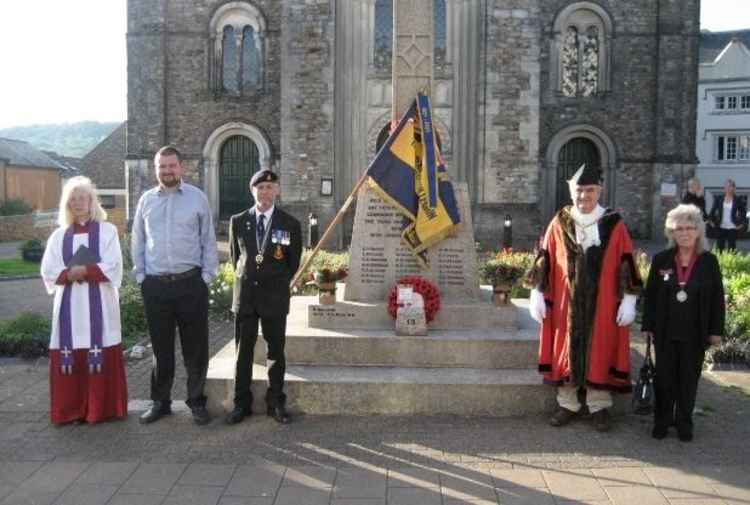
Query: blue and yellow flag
column 409, row 174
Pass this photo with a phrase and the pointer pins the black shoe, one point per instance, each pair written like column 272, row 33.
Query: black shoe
column 200, row 415
column 562, row 417
column 659, row 432
column 237, row 415
column 279, row 413
column 601, row 420
column 157, row 411
column 685, row 435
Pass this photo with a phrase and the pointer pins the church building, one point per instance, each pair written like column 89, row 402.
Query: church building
column 523, row 92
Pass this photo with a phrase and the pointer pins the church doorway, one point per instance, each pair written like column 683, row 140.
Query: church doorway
column 573, row 154
column 238, row 161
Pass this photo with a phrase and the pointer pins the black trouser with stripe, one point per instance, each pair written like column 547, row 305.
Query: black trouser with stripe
column 245, row 336
column 179, row 304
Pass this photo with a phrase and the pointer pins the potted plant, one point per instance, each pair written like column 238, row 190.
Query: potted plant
column 32, row 250
column 325, row 280
column 502, row 275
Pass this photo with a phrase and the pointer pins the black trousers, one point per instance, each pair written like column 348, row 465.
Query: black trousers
column 182, row 304
column 726, row 239
column 245, row 336
column 678, row 369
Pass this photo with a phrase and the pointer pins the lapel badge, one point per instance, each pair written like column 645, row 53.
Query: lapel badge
column 278, row 253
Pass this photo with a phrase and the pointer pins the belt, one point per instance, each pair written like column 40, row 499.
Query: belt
column 177, row 277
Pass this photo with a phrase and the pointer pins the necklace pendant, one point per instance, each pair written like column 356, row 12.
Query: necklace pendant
column 682, row 296
column 259, row 258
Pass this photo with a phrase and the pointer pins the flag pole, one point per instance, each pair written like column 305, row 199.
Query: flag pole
column 336, row 220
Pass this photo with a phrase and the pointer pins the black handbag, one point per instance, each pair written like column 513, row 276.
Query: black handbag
column 643, row 393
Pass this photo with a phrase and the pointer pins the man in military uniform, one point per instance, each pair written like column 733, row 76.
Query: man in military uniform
column 265, row 246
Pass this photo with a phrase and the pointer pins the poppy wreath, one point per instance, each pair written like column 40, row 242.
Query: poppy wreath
column 428, row 290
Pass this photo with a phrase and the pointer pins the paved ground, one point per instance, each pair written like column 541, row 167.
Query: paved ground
column 365, row 460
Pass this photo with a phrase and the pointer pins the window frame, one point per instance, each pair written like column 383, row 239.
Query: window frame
column 731, row 147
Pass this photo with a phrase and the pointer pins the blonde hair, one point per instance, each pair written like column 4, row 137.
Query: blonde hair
column 79, row 182
column 695, row 180
column 686, row 213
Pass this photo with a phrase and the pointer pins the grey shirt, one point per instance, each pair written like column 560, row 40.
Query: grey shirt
column 172, row 233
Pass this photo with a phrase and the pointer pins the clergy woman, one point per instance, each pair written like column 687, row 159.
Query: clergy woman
column 82, row 268
column 684, row 314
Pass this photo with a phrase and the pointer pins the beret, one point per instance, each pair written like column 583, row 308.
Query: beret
column 263, row 176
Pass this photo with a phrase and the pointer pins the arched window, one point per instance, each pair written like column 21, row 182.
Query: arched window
column 250, row 58
column 383, row 47
column 237, row 47
column 583, row 34
column 238, row 161
column 440, row 31
column 230, row 63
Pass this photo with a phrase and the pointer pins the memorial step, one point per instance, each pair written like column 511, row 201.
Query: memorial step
column 440, row 348
column 329, row 390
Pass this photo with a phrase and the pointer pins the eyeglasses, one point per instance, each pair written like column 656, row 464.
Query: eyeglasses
column 682, row 229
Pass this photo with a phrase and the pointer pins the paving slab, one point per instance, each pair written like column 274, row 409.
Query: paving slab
column 87, row 494
column 413, row 496
column 136, row 499
column 199, row 474
column 679, row 482
column 312, row 477
column 295, row 495
column 152, row 478
column 574, row 485
column 525, row 496
column 642, row 495
column 260, row 481
column 193, row 495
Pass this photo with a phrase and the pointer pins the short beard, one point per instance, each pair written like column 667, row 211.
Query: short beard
column 169, row 184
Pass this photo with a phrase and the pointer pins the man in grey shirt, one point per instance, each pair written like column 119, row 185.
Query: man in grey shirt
column 174, row 259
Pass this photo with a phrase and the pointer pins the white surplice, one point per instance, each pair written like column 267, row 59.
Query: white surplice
column 111, row 267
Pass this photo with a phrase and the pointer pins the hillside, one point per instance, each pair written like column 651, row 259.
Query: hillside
column 71, row 139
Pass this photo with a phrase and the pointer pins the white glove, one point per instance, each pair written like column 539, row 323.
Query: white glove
column 626, row 312
column 537, row 306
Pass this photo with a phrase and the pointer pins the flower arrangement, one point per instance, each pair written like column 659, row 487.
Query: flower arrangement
column 428, row 290
column 325, row 280
column 499, row 272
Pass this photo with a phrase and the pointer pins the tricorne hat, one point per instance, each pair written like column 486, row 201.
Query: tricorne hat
column 263, row 176
column 586, row 176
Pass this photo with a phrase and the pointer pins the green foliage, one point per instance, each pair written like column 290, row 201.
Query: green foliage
column 17, row 266
column 505, row 265
column 332, row 261
column 127, row 259
column 735, row 270
column 132, row 312
column 26, row 336
column 220, row 292
column 31, row 245
column 73, row 139
column 15, row 207
column 733, row 263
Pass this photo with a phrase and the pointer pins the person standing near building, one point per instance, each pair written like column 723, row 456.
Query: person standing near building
column 265, row 246
column 585, row 287
column 82, row 267
column 728, row 217
column 694, row 196
column 174, row 259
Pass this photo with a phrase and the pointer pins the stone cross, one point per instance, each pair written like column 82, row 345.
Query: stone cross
column 412, row 52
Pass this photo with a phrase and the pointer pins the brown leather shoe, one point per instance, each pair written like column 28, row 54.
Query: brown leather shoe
column 601, row 420
column 562, row 417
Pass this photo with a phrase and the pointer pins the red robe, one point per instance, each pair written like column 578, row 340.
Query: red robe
column 580, row 342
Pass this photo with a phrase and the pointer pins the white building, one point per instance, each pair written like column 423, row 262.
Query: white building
column 723, row 113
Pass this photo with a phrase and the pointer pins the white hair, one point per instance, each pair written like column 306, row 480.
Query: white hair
column 690, row 214
column 79, row 183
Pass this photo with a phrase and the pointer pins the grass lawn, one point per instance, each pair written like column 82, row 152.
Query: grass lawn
column 17, row 266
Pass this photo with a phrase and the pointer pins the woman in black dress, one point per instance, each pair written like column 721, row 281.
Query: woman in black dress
column 684, row 314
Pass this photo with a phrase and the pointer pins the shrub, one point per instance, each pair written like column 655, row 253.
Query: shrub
column 15, row 207
column 132, row 312
column 32, row 250
column 220, row 292
column 332, row 261
column 26, row 336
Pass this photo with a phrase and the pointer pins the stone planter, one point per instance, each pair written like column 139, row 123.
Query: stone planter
column 501, row 294
column 327, row 293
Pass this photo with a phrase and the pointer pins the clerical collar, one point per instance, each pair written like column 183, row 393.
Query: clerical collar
column 582, row 219
column 81, row 228
column 267, row 213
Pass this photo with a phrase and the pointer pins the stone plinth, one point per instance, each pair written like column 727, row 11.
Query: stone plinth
column 379, row 258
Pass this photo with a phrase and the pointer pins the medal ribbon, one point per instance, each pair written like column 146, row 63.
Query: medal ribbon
column 683, row 273
column 262, row 246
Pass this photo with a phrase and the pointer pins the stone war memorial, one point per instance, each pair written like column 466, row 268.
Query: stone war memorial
column 475, row 359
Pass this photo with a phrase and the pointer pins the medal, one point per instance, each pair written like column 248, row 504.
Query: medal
column 682, row 296
column 259, row 258
column 277, row 253
column 683, row 274
column 261, row 245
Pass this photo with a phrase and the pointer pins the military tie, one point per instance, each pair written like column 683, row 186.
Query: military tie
column 261, row 230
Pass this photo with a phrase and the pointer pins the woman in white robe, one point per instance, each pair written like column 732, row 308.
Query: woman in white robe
column 82, row 268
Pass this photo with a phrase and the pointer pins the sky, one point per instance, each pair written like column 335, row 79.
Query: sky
column 65, row 61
